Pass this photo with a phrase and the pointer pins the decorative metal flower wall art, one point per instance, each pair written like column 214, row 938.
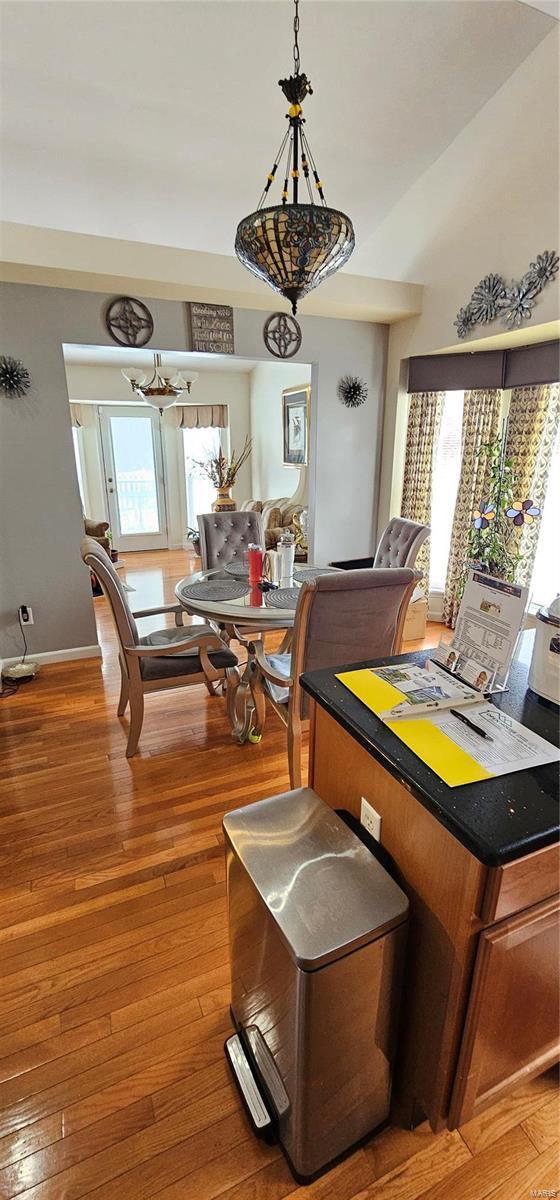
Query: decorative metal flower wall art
column 15, row 379
column 492, row 298
column 483, row 516
column 352, row 392
column 523, row 512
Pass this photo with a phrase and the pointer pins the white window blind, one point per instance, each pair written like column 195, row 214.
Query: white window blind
column 76, row 438
column 545, row 582
column 200, row 445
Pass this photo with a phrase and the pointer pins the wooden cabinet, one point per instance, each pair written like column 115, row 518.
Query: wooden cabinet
column 511, row 1026
column 479, row 1003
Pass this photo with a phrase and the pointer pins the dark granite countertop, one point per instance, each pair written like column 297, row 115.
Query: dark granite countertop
column 498, row 820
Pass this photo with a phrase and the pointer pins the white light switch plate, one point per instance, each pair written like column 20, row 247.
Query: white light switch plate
column 370, row 819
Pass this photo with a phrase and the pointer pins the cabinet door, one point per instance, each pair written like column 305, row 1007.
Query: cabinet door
column 511, row 1029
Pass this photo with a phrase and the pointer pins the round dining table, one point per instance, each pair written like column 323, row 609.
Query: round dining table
column 243, row 612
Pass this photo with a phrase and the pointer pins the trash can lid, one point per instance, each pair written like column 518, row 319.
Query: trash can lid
column 327, row 894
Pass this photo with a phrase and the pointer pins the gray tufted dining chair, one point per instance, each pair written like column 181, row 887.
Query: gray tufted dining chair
column 400, row 543
column 399, row 546
column 346, row 617
column 225, row 536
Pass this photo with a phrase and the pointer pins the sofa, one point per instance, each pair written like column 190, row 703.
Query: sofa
column 98, row 530
column 277, row 515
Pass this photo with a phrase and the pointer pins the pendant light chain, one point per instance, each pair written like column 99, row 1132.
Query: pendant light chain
column 296, row 43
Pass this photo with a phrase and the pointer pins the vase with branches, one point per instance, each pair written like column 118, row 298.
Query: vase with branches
column 222, row 471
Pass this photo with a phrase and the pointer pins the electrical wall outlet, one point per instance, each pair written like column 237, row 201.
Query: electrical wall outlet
column 25, row 614
column 370, row 819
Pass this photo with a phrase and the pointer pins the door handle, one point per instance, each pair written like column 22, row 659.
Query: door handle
column 111, row 489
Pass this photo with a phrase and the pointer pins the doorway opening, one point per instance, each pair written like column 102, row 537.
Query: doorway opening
column 138, row 470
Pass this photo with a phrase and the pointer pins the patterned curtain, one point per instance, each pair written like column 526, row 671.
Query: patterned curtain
column 533, row 420
column 481, row 423
column 424, row 416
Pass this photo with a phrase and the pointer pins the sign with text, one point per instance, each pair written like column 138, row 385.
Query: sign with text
column 212, row 328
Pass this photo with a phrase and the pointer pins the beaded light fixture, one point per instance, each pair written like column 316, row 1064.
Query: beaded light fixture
column 294, row 246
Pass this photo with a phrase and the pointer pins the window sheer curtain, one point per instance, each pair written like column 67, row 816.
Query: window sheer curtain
column 424, row 416
column 534, row 415
column 481, row 423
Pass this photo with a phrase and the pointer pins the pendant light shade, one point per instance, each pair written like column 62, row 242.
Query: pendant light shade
column 294, row 246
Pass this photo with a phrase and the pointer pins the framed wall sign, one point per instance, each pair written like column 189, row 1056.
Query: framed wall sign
column 212, row 328
column 295, row 424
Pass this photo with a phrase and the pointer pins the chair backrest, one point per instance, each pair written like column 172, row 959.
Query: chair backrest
column 225, row 536
column 400, row 542
column 349, row 616
column 98, row 561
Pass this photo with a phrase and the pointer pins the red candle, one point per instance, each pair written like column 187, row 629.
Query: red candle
column 255, row 556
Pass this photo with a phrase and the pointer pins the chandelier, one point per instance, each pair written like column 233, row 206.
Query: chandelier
column 294, row 246
column 163, row 387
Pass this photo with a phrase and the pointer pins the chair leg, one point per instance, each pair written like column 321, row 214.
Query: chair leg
column 123, row 698
column 136, row 719
column 294, row 755
column 210, row 687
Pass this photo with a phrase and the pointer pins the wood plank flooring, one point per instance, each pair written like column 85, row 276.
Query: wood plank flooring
column 114, row 963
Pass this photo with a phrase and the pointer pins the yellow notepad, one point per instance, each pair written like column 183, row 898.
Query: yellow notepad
column 454, row 765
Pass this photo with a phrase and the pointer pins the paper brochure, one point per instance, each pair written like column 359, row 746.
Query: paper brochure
column 451, row 748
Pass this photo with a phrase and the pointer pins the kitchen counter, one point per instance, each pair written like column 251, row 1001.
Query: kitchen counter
column 497, row 820
column 480, row 865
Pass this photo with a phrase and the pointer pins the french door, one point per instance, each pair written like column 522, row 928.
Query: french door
column 134, row 480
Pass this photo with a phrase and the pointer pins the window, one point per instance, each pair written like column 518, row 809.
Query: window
column 545, row 583
column 446, row 469
column 76, row 438
column 200, row 445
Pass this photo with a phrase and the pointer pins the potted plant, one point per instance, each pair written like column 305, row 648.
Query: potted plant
column 113, row 554
column 222, row 472
column 193, row 537
column 494, row 541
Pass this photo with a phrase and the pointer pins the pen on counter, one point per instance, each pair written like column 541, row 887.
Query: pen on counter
column 475, row 728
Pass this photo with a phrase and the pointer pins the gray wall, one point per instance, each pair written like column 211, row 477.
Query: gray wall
column 41, row 521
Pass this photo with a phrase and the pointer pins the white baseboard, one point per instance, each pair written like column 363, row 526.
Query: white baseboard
column 53, row 656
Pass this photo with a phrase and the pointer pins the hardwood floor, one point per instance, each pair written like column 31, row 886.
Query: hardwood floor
column 114, row 979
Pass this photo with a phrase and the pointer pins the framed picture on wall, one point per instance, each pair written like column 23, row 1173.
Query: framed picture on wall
column 295, row 424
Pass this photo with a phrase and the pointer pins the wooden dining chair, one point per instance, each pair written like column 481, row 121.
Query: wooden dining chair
column 166, row 658
column 344, row 617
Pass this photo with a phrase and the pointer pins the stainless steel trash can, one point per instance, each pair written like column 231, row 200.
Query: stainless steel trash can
column 317, row 931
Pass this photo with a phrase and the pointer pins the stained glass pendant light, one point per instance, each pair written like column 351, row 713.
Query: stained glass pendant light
column 294, row 246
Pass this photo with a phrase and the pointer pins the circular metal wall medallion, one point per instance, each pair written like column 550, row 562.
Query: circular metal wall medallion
column 129, row 322
column 282, row 335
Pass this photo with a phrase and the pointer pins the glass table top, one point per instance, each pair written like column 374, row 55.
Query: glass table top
column 256, row 604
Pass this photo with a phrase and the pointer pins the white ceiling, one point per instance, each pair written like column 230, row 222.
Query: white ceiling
column 157, row 122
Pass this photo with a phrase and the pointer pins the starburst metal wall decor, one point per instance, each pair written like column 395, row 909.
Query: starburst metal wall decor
column 492, row 298
column 352, row 392
column 15, row 379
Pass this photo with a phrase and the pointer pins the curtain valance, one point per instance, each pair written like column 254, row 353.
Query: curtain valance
column 486, row 369
column 197, row 416
column 531, row 365
column 76, row 415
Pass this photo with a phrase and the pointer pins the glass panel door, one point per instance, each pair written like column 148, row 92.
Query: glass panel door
column 132, row 453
